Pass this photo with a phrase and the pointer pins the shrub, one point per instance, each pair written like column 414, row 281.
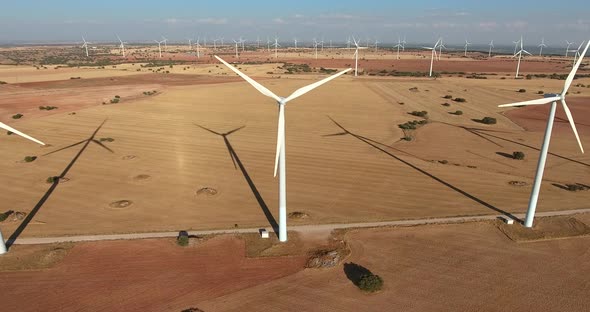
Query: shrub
column 47, row 107
column 114, row 101
column 407, row 138
column 419, row 114
column 30, row 158
column 522, row 90
column 17, row 116
column 575, row 187
column 370, row 283
column 448, row 96
column 489, row 120
column 106, row 139
column 518, row 155
column 457, row 112
column 2, row 82
column 540, row 92
column 446, row 104
column 461, row 100
column 182, row 240
column 117, row 97
column 52, row 179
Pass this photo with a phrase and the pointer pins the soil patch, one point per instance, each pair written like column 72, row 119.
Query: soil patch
column 141, row 177
column 33, row 257
column 545, row 228
column 207, row 191
column 271, row 247
column 129, row 157
column 121, row 204
column 298, row 215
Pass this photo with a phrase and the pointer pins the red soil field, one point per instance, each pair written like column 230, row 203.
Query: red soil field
column 141, row 275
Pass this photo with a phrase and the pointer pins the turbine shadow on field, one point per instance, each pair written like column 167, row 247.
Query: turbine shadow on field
column 236, row 161
column 54, row 184
column 376, row 144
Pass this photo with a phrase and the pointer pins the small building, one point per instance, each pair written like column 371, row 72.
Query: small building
column 264, row 233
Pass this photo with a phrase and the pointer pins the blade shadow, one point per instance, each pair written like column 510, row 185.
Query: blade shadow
column 375, row 145
column 52, row 188
column 236, row 160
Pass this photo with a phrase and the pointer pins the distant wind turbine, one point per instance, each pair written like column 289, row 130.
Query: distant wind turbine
column 440, row 47
column 165, row 43
column 121, row 46
column 295, row 40
column 236, row 44
column 577, row 52
column 280, row 163
column 85, row 45
column 491, row 47
column 466, row 45
column 549, row 98
column 398, row 45
column 277, row 45
column 519, row 53
column 567, row 49
column 159, row 46
column 541, row 46
column 356, row 55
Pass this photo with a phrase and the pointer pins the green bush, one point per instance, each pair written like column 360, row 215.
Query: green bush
column 30, row 158
column 518, row 155
column 106, row 139
column 419, row 114
column 458, row 112
column 4, row 215
column 182, row 240
column 448, row 96
column 446, row 104
column 370, row 283
column 461, row 100
column 52, row 179
column 522, row 90
column 2, row 82
column 17, row 116
column 489, row 120
column 540, row 92
column 115, row 100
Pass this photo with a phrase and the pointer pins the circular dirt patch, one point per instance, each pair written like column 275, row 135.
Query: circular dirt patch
column 128, row 157
column 518, row 183
column 207, row 191
column 120, row 204
column 298, row 215
column 141, row 177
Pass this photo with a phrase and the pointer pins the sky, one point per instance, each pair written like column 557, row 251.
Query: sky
column 385, row 21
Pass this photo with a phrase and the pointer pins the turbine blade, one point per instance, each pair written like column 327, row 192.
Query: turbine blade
column 570, row 77
column 533, row 102
column 280, row 135
column 525, row 51
column 568, row 113
column 301, row 91
column 255, row 84
column 8, row 128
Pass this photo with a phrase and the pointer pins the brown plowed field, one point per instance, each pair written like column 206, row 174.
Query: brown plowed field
column 141, row 275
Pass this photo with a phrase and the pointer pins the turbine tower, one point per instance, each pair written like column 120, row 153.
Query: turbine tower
column 577, row 52
column 236, row 45
column 198, row 48
column 277, row 45
column 159, row 46
column 8, row 128
column 519, row 53
column 398, row 45
column 549, row 98
column 491, row 46
column 295, row 40
column 165, row 43
column 280, row 164
column 515, row 45
column 440, row 47
column 541, row 46
column 567, row 49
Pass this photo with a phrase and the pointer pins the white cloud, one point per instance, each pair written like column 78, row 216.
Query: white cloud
column 517, row 25
column 336, row 16
column 298, row 16
column 212, row 21
column 488, row 26
column 578, row 25
column 279, row 20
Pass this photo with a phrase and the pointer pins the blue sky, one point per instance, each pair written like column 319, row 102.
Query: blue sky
column 420, row 21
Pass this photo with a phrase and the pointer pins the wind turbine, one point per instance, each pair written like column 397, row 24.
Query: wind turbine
column 541, row 46
column 267, row 44
column 515, row 45
column 85, row 45
column 404, row 44
column 159, row 46
column 348, row 43
column 398, row 45
column 190, row 46
column 280, row 164
column 376, row 43
column 491, row 46
column 519, row 53
column 356, row 55
column 549, row 98
column 440, row 47
column 257, row 42
column 277, row 45
column 433, row 54
column 236, row 44
column 165, row 43
column 198, row 48
column 8, row 128
column 577, row 52
column 315, row 46
column 121, row 46
column 568, row 47
column 466, row 45
column 215, row 44
column 295, row 40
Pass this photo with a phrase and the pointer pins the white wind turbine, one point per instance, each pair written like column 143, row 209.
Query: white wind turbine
column 198, row 48
column 466, row 45
column 257, row 42
column 8, row 128
column 491, row 47
column 159, row 46
column 519, row 53
column 348, row 43
column 567, row 49
column 541, row 46
column 315, row 46
column 398, row 45
column 280, row 164
column 433, row 54
column 242, row 41
column 121, row 46
column 577, row 52
column 85, row 45
column 441, row 45
column 165, row 43
column 549, row 98
column 295, row 40
column 215, row 44
column 404, row 44
column 236, row 44
column 515, row 45
column 376, row 44
column 267, row 44
column 356, row 55
column 277, row 45
column 190, row 46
